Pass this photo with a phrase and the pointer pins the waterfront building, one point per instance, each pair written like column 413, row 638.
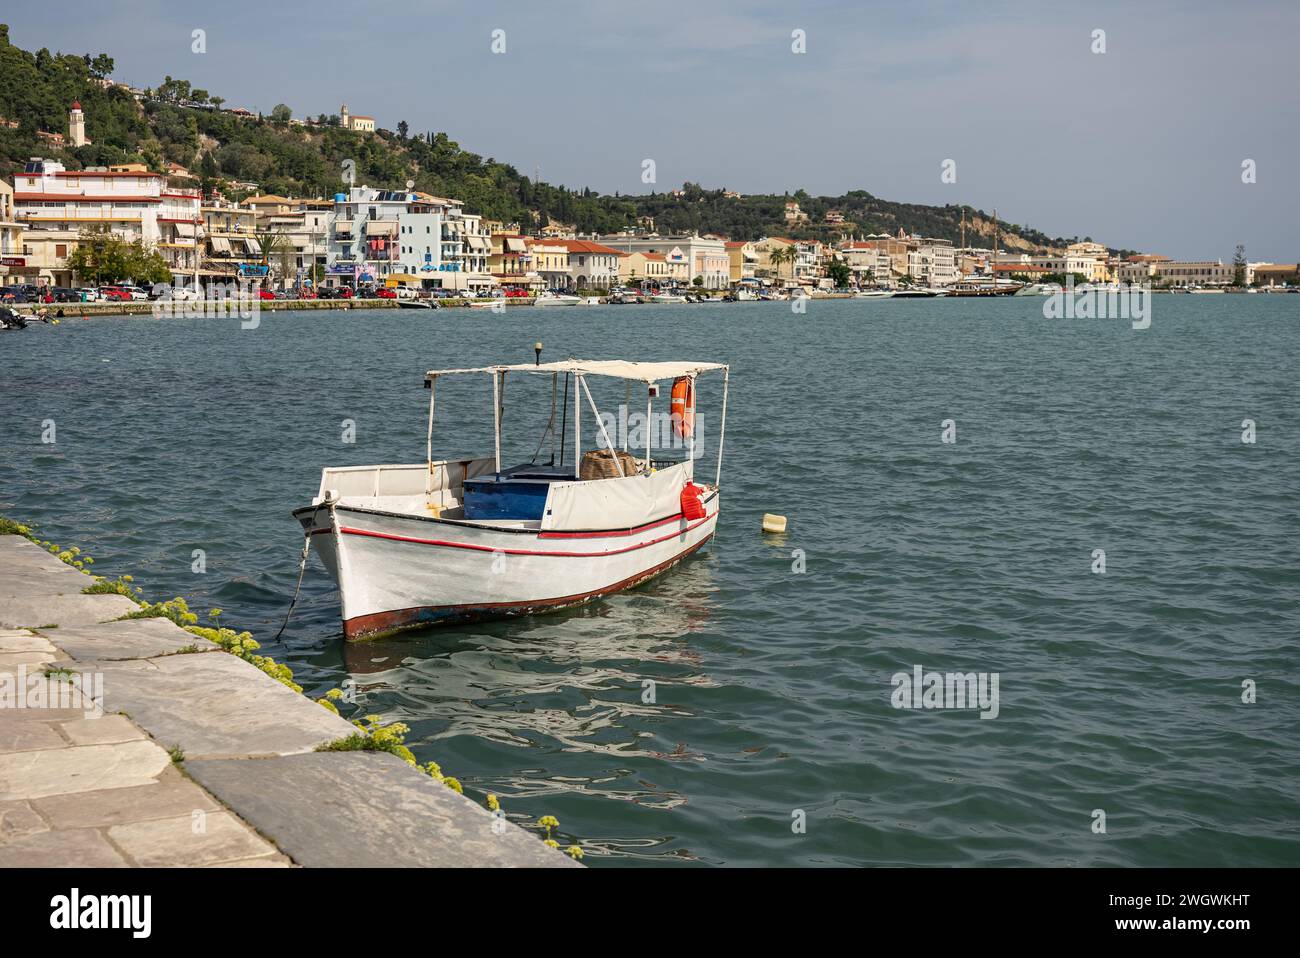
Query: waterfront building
column 1274, row 274
column 304, row 226
column 688, row 255
column 742, row 258
column 551, row 262
column 12, row 262
column 132, row 202
column 637, row 268
column 1176, row 273
column 591, row 265
column 381, row 234
column 870, row 266
column 510, row 262
column 230, row 249
column 933, row 263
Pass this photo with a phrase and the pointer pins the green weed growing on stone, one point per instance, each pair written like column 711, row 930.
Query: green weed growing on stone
column 243, row 645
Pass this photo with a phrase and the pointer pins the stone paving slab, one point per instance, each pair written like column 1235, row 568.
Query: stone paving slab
column 80, row 848
column 10, row 661
column 79, row 769
column 189, row 840
column 19, row 818
column 127, row 639
column 367, row 809
column 216, row 706
column 29, row 612
column 104, row 730
column 22, row 640
column 28, row 736
column 171, row 796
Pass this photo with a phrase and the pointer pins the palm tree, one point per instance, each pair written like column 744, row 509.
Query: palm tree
column 275, row 245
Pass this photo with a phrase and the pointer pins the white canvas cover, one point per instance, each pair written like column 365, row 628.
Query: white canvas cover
column 616, row 368
column 616, row 503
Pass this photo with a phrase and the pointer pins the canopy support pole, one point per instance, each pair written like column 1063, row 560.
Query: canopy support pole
column 428, row 441
column 609, row 444
column 722, row 431
column 555, row 386
column 627, row 407
column 496, row 417
column 577, row 427
column 649, row 429
column 690, row 436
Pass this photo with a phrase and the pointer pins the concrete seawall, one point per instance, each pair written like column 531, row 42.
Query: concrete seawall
column 198, row 758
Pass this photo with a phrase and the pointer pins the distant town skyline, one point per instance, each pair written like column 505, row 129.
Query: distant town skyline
column 1138, row 147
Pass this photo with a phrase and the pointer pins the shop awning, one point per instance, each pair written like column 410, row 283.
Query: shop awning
column 381, row 228
column 515, row 244
column 342, row 226
column 220, row 244
column 185, row 229
column 478, row 242
column 253, row 247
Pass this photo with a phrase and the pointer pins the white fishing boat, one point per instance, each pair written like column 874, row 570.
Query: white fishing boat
column 498, row 303
column 445, row 541
column 874, row 294
column 667, row 298
column 550, row 298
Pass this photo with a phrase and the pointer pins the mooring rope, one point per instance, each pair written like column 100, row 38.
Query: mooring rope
column 302, row 570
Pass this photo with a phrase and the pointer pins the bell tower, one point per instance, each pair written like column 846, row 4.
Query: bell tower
column 76, row 125
column 343, row 117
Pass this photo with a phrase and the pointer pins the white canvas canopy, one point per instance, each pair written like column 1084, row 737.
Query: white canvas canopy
column 580, row 368
column 615, row 368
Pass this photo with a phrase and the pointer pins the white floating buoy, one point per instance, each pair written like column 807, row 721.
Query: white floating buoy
column 773, row 523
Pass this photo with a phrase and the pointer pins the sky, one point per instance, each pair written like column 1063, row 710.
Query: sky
column 1139, row 147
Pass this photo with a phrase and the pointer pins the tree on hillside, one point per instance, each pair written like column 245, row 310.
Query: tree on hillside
column 280, row 113
column 1239, row 266
column 402, row 130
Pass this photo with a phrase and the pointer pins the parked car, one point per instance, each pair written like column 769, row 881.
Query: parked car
column 385, row 293
column 185, row 294
column 88, row 294
column 135, row 293
column 114, row 294
column 304, row 294
column 265, row 294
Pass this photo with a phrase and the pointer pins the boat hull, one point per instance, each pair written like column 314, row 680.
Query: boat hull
column 397, row 572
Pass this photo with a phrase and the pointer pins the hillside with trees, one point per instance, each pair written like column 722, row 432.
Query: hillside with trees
column 175, row 122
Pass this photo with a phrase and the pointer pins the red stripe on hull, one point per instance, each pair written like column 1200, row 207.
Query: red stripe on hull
column 384, row 623
column 350, row 531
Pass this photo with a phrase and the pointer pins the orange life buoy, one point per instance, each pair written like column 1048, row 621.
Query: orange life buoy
column 683, row 406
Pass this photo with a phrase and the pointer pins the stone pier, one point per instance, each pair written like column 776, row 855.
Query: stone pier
column 197, row 758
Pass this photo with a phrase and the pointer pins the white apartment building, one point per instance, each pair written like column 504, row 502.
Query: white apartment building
column 131, row 202
column 933, row 263
column 378, row 234
column 700, row 256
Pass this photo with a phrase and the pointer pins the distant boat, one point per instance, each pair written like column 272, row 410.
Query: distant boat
column 985, row 286
column 667, row 298
column 549, row 298
column 416, row 304
column 915, row 292
column 487, row 303
column 874, row 294
column 1038, row 289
